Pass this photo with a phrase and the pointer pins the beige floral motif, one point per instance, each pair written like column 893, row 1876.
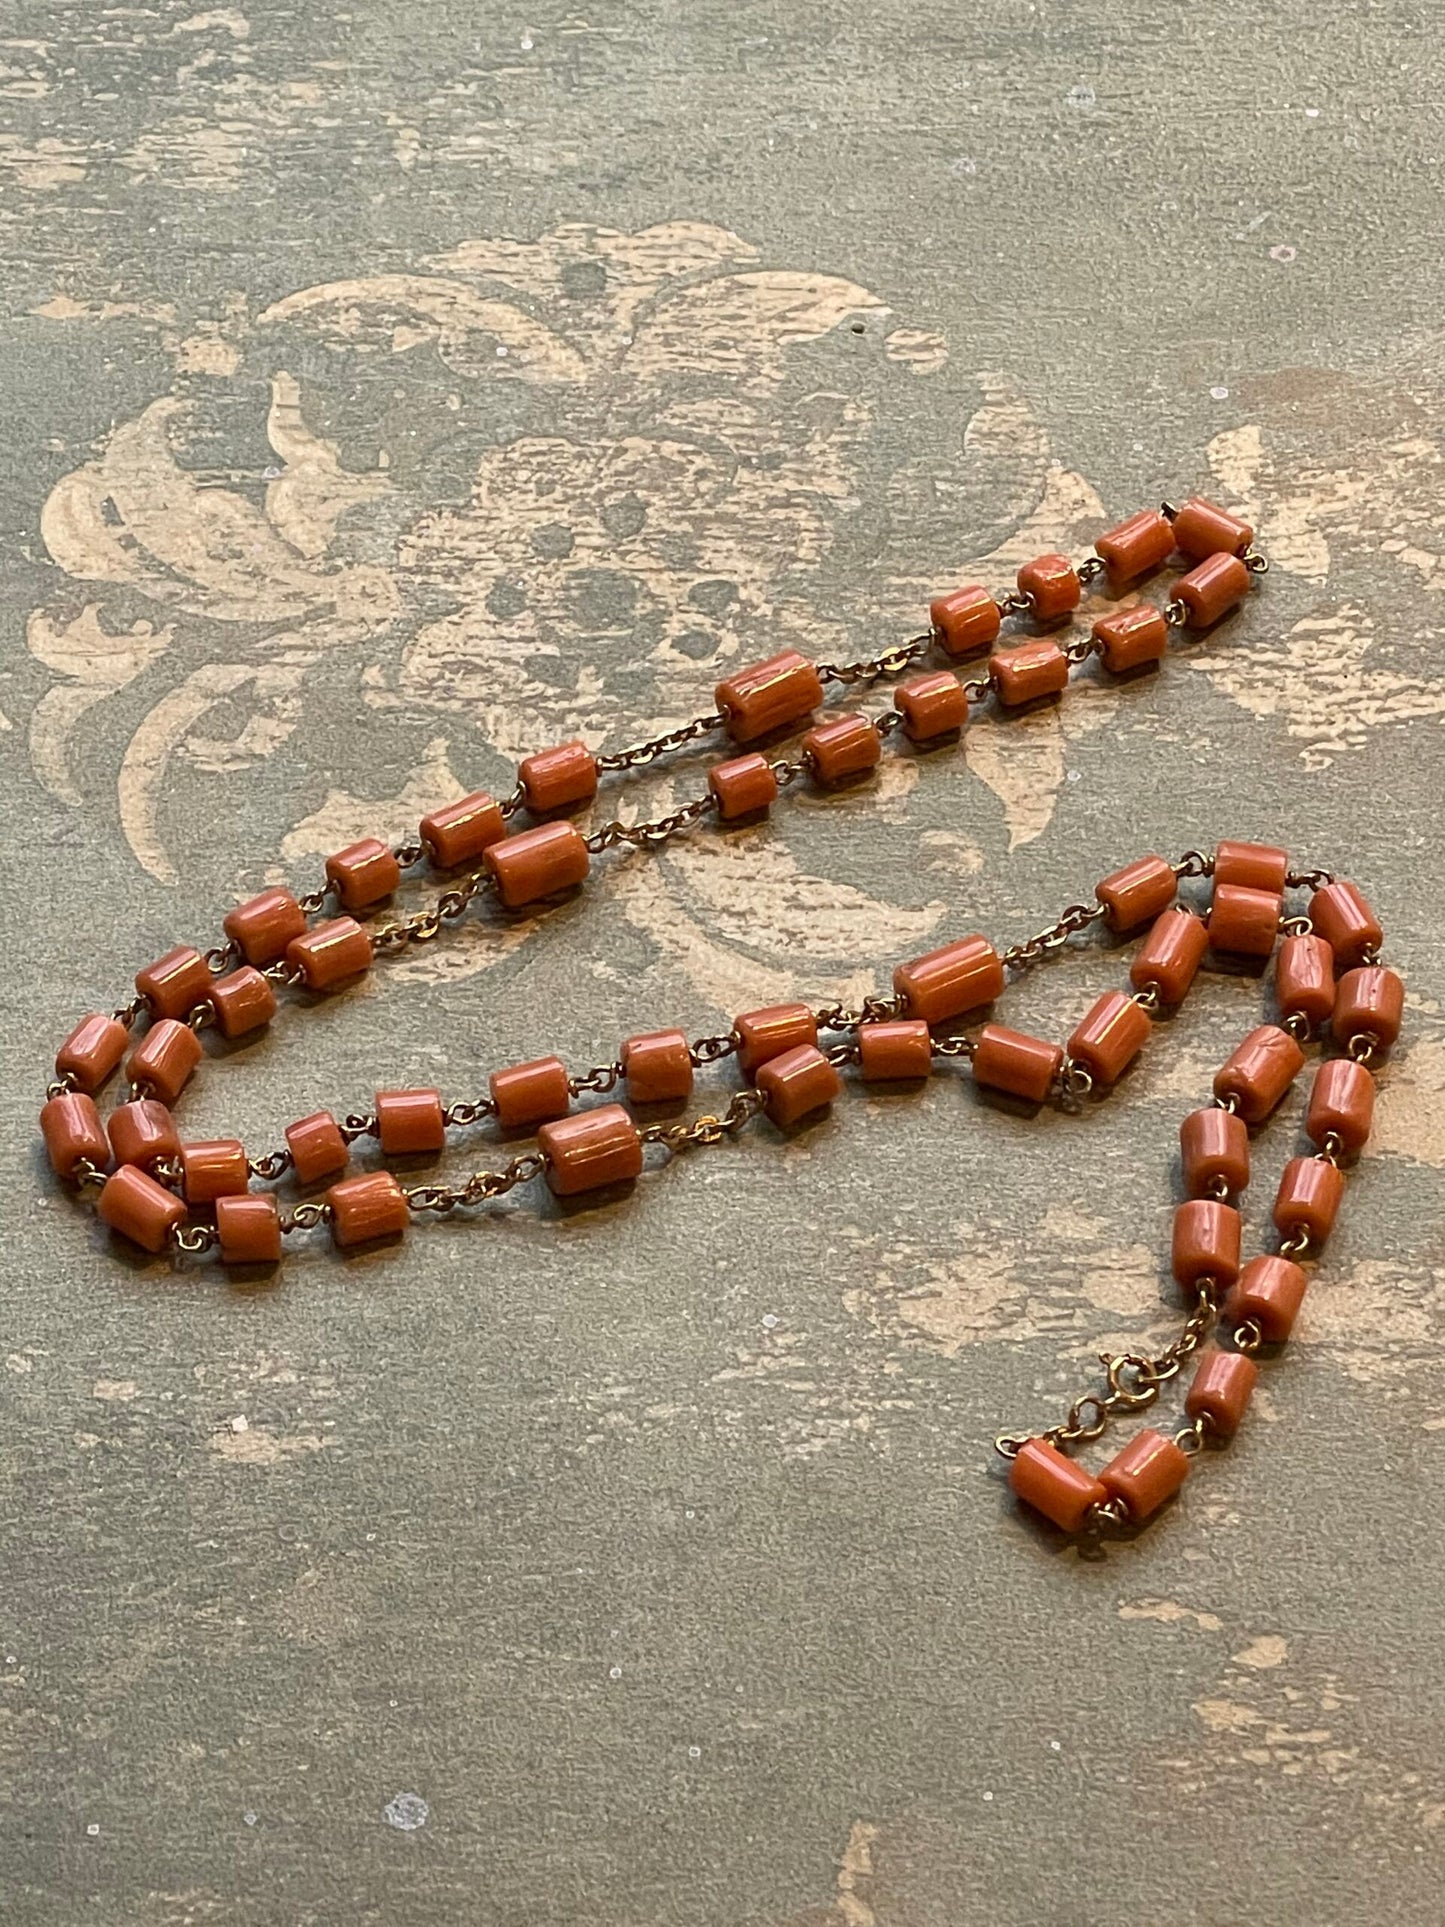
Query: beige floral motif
column 1334, row 678
column 140, row 525
column 634, row 460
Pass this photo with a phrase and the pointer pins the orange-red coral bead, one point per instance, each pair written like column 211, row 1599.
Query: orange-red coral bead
column 331, row 954
column 1342, row 1105
column 1062, row 1491
column 176, row 982
column 1242, row 921
column 1213, row 1147
column 1206, row 1243
column 1258, row 1072
column 945, row 983
column 1052, row 585
column 1220, row 1391
column 1110, row 1037
column 318, row 1150
column 1012, row 1061
column 363, row 874
column 841, row 749
column 1203, row 529
column 249, row 1229
column 1257, row 866
column 1211, row 589
column 90, row 1053
column 213, row 1168
column 1347, row 923
column 71, row 1127
column 1136, row 546
column 768, row 695
column 142, row 1131
column 409, row 1123
column 771, row 1031
column 797, row 1084
column 165, row 1058
column 593, row 1149
column 243, row 1001
column 460, row 832
column 1304, row 978
column 932, row 706
column 262, row 927
column 538, row 863
column 1137, row 893
column 658, row 1067
column 895, row 1050
column 367, row 1207
column 1310, row 1194
column 558, row 779
column 531, row 1093
column 1129, row 638
column 1169, row 957
column 133, row 1203
column 965, row 622
column 1145, row 1474
column 743, row 786
column 1268, row 1293
column 1028, row 671
column 1369, row 1002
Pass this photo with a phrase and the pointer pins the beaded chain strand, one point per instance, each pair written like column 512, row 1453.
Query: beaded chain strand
column 195, row 1198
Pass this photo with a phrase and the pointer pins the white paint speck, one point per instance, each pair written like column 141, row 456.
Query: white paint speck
column 1056, row 1746
column 527, row 43
column 1219, row 394
column 249, row 1818
column 406, row 1812
column 988, row 1796
column 240, row 1423
column 614, row 1672
column 1072, row 775
column 1312, row 113
column 501, row 352
column 770, row 1320
column 694, row 1752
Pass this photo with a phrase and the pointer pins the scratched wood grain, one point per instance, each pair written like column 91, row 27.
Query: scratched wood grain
column 391, row 390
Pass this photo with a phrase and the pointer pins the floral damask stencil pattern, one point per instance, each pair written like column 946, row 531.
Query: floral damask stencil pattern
column 554, row 487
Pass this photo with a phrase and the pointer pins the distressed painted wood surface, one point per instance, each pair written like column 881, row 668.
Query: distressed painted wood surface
column 390, row 390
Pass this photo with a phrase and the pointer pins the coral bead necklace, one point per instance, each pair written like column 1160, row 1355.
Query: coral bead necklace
column 215, row 1198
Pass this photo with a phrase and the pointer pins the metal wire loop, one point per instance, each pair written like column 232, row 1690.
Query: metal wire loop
column 193, row 1238
column 306, row 1215
column 891, row 662
column 602, row 1077
column 1194, row 863
column 710, row 1050
column 648, row 752
column 273, row 1165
